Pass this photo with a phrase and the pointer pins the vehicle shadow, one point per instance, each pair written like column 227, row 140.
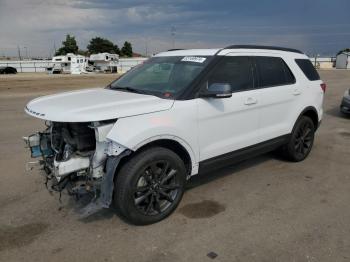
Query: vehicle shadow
column 195, row 181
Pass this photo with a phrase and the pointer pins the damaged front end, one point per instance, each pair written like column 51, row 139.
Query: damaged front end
column 78, row 158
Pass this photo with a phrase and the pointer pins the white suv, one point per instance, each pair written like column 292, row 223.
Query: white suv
column 183, row 112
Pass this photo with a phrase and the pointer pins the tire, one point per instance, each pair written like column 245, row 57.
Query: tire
column 301, row 140
column 149, row 186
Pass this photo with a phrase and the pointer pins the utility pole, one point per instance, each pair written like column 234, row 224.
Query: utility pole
column 146, row 46
column 19, row 53
column 173, row 32
column 26, row 52
column 54, row 48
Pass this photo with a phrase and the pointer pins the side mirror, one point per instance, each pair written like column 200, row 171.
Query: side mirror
column 217, row 90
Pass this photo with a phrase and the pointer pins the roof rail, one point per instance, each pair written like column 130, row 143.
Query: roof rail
column 175, row 49
column 263, row 47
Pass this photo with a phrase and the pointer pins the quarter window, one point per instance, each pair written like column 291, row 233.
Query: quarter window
column 234, row 70
column 273, row 71
column 308, row 69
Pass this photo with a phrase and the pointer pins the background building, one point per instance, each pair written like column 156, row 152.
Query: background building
column 343, row 61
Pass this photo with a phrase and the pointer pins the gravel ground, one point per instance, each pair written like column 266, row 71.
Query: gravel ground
column 264, row 209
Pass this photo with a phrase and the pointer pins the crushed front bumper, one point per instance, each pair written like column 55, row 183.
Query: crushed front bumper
column 81, row 176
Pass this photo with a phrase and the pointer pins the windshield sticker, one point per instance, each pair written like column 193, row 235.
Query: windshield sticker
column 195, row 59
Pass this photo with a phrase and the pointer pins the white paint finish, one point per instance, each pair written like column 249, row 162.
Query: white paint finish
column 178, row 123
column 94, row 105
column 190, row 52
column 206, row 128
column 102, row 131
column 103, row 57
column 228, row 124
column 279, row 104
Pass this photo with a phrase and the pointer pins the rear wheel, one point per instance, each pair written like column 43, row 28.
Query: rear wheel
column 301, row 140
column 149, row 186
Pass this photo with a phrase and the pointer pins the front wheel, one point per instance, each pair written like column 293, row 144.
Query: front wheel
column 149, row 186
column 301, row 140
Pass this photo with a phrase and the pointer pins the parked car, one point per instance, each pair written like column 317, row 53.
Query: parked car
column 136, row 142
column 8, row 70
column 345, row 104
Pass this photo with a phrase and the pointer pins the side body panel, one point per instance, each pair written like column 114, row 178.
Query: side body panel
column 228, row 124
column 208, row 128
column 178, row 123
column 280, row 104
column 312, row 94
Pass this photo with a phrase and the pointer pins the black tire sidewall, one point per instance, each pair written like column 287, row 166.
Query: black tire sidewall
column 128, row 177
column 291, row 153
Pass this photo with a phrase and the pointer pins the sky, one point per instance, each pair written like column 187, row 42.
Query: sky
column 37, row 26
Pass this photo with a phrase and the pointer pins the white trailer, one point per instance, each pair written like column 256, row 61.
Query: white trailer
column 69, row 63
column 105, row 62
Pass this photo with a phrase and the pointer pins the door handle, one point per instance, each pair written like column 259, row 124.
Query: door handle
column 296, row 92
column 250, row 101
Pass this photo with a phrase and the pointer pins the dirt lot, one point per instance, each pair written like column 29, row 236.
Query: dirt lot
column 264, row 209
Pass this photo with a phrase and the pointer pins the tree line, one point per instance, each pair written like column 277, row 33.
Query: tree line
column 96, row 45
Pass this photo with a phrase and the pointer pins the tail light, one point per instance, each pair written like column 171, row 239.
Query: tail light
column 324, row 87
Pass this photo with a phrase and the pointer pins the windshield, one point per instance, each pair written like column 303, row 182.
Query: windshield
column 162, row 76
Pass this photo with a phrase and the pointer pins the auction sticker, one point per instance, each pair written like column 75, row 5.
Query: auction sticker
column 195, row 59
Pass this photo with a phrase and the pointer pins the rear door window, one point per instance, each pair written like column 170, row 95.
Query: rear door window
column 308, row 69
column 234, row 70
column 273, row 71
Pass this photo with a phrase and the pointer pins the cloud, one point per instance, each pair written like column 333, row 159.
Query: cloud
column 305, row 24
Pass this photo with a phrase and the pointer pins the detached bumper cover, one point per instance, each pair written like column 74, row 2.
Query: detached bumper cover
column 106, row 187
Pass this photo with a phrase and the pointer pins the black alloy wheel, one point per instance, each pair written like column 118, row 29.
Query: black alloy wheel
column 301, row 141
column 149, row 186
column 156, row 188
column 304, row 139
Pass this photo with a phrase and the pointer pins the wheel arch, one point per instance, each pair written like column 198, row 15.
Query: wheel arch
column 175, row 144
column 311, row 112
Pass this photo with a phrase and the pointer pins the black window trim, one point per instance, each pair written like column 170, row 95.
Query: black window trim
column 192, row 92
column 270, row 86
column 195, row 87
column 204, row 81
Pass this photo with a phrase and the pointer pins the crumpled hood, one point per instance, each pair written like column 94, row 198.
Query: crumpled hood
column 94, row 105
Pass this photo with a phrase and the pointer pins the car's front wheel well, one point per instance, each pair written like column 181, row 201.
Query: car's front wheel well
column 174, row 146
